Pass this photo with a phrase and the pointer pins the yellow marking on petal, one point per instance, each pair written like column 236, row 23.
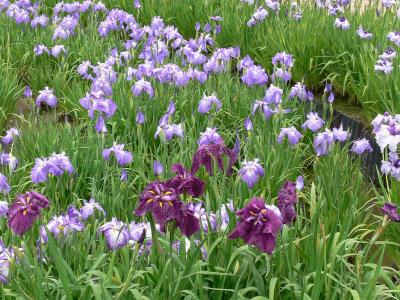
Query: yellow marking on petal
column 263, row 211
column 161, row 204
column 170, row 203
column 167, row 193
column 150, row 200
column 153, row 192
column 25, row 212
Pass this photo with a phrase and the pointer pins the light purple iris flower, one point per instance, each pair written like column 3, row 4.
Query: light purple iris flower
column 40, row 49
column 248, row 125
column 388, row 54
column 7, row 159
column 168, row 130
column 360, row 146
column 207, row 102
column 140, row 117
column 385, row 66
column 363, row 34
column 342, row 23
column 57, row 50
column 394, row 37
column 3, row 208
column 254, row 75
column 251, row 171
column 299, row 183
column 340, row 134
column 259, row 15
column 10, row 135
column 292, row 134
column 158, row 168
column 323, row 142
column 89, row 208
column 4, row 186
column 116, row 234
column 56, row 165
column 392, row 166
column 284, row 59
column 313, row 122
column 61, row 227
column 273, row 95
column 46, row 96
column 123, row 157
column 300, row 91
column 142, row 86
column 210, row 136
column 28, row 92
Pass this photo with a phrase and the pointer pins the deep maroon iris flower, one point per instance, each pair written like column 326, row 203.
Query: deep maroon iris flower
column 25, row 210
column 186, row 182
column 162, row 201
column 259, row 225
column 287, row 198
column 207, row 153
column 188, row 223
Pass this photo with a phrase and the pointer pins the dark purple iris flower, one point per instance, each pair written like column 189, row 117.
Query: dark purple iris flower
column 205, row 155
column 25, row 210
column 259, row 225
column 287, row 198
column 390, row 210
column 162, row 201
column 186, row 182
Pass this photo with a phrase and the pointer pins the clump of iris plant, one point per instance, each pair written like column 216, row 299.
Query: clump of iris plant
column 25, row 210
column 259, row 224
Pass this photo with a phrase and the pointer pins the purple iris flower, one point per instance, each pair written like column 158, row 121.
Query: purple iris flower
column 388, row 3
column 139, row 231
column 210, row 136
column 124, row 176
column 207, row 102
column 3, row 208
column 4, row 186
column 360, row 146
column 331, row 98
column 287, row 198
column 7, row 159
column 205, row 155
column 168, row 130
column 88, row 208
column 385, row 66
column 388, row 54
column 392, row 166
column 342, row 23
column 313, row 122
column 185, row 182
column 57, row 50
column 390, row 209
column 41, row 21
column 340, row 134
column 259, row 225
column 299, row 91
column 299, row 183
column 284, row 59
column 292, row 134
column 273, row 95
column 248, row 125
column 10, row 135
column 46, row 96
column 158, row 168
column 56, row 165
column 254, row 75
column 259, row 15
column 7, row 256
column 251, row 172
column 273, row 4
column 323, row 142
column 40, row 49
column 61, row 227
column 142, row 86
column 224, row 215
column 123, row 157
column 282, row 74
column 363, row 34
column 394, row 37
column 116, row 234
column 25, row 210
column 268, row 110
column 28, row 92
column 136, row 4
column 162, row 201
column 140, row 118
